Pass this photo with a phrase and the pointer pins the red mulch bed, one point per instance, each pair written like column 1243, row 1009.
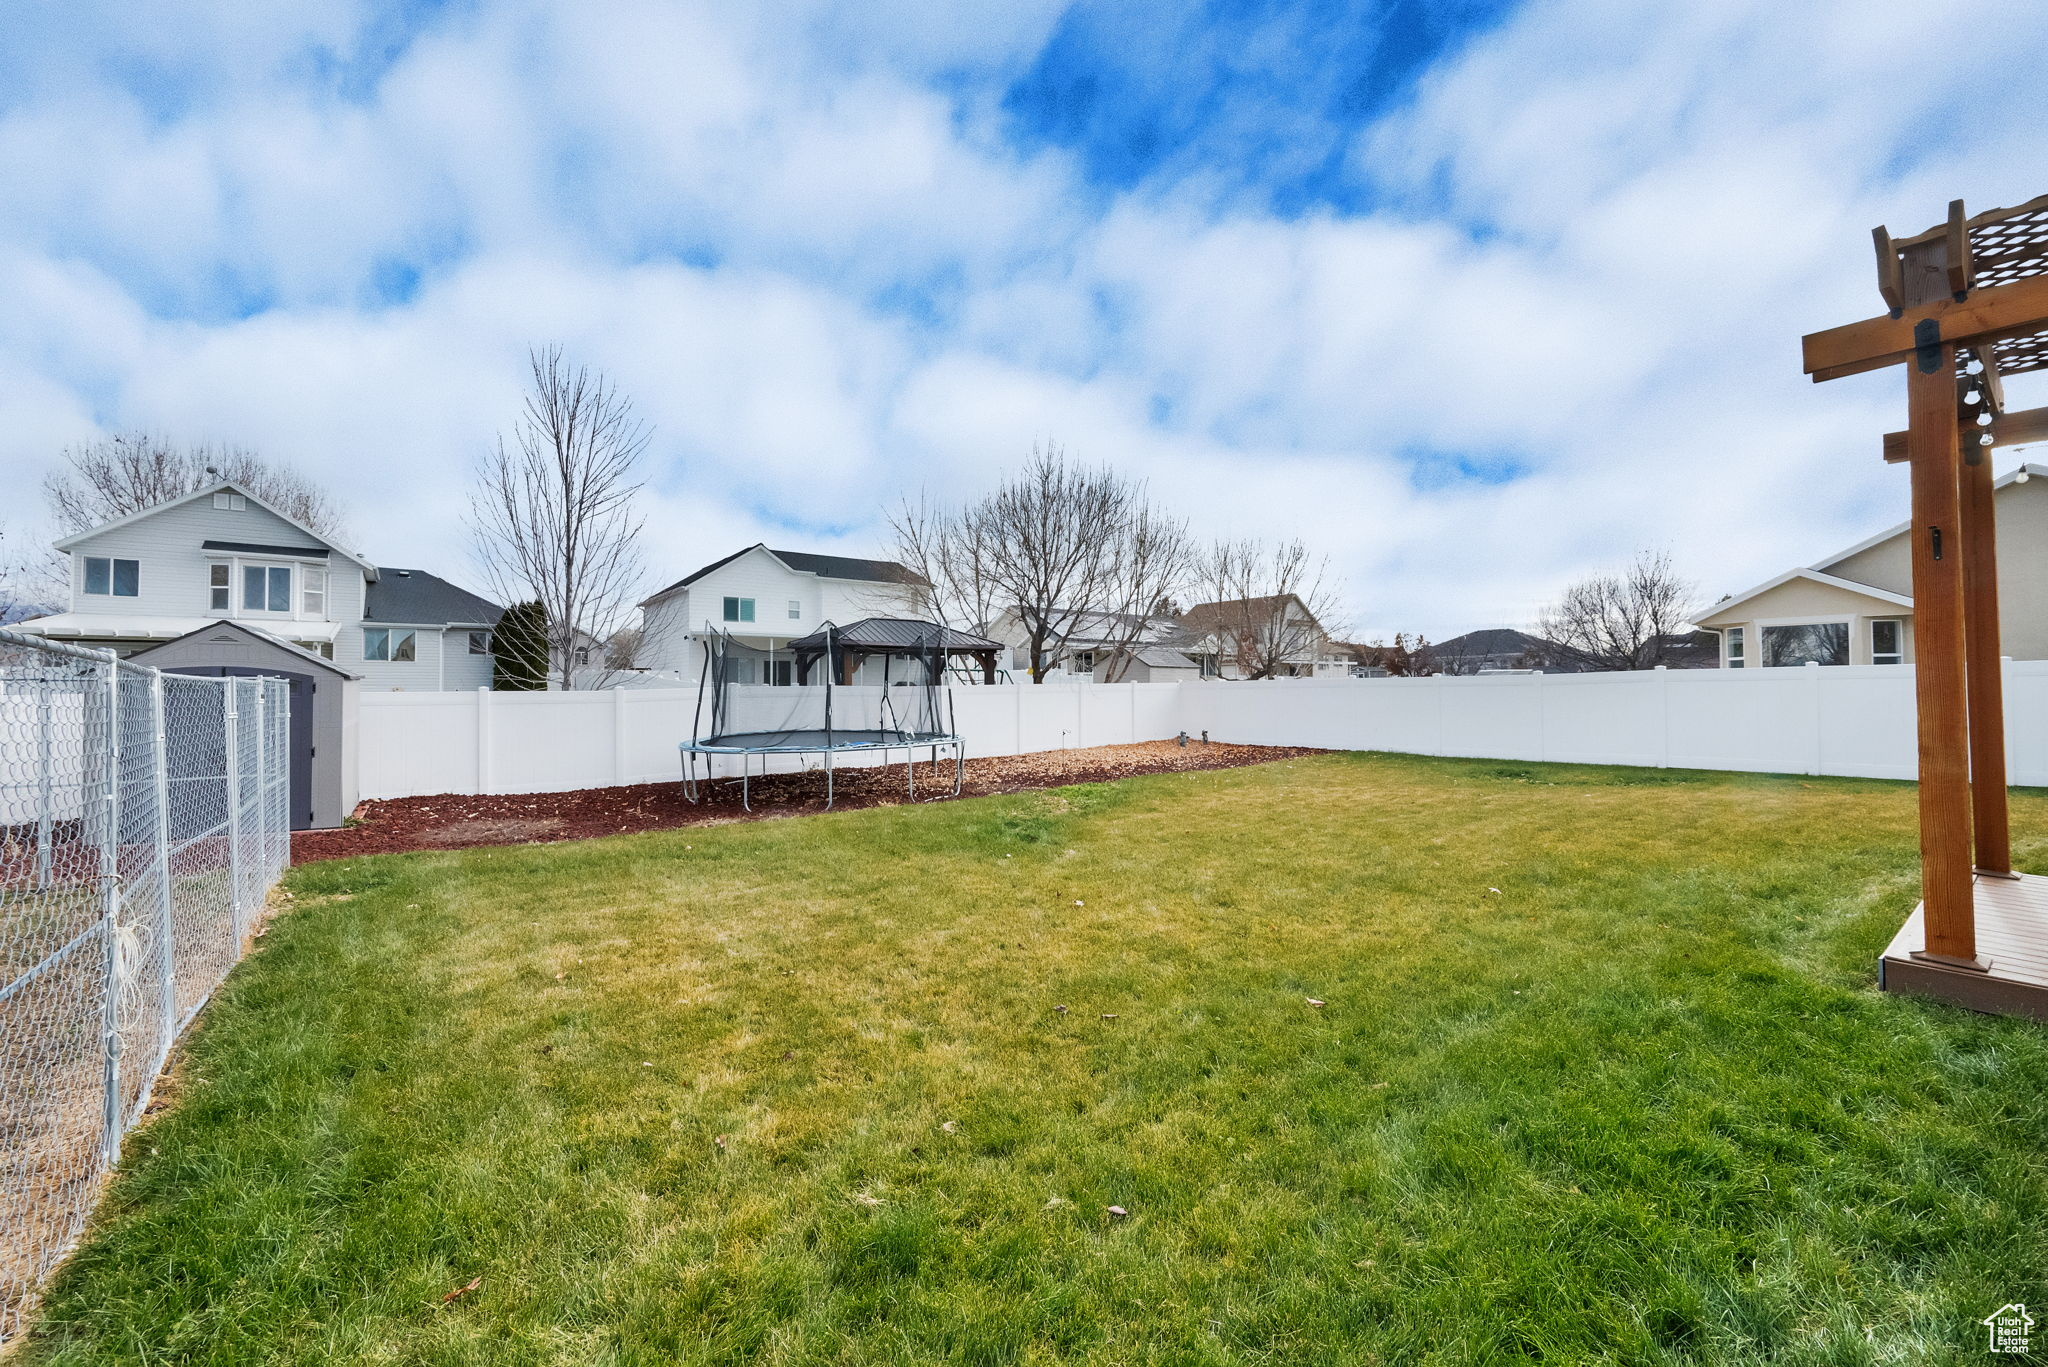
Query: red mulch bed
column 454, row 821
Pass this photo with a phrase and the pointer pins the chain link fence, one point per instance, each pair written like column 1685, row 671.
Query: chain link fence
column 143, row 818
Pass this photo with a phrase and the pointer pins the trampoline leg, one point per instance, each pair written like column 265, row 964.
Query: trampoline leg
column 959, row 763
column 746, row 771
column 828, row 780
column 910, row 770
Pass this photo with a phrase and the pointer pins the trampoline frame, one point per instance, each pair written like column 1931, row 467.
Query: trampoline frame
column 693, row 786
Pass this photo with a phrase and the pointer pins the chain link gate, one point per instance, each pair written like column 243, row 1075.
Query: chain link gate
column 143, row 818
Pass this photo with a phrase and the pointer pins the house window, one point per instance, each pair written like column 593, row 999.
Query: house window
column 739, row 609
column 314, row 590
column 796, row 609
column 230, row 502
column 775, row 672
column 1822, row 643
column 217, row 586
column 479, row 642
column 1734, row 638
column 1084, row 662
column 387, row 643
column 324, row 649
column 105, row 577
column 1887, row 643
column 266, row 588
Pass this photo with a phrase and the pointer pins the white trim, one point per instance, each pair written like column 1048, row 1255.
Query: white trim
column 66, row 543
column 1815, row 576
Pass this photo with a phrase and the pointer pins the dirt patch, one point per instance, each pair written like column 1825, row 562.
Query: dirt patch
column 458, row 821
column 487, row 831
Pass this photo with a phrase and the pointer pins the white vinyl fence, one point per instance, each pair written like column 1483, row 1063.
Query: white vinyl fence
column 143, row 817
column 1854, row 721
column 485, row 742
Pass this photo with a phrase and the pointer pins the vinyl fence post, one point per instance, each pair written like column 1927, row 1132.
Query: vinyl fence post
column 166, row 952
column 619, row 779
column 110, row 911
column 483, row 740
column 1663, row 716
column 1813, row 687
column 231, row 775
column 1542, row 722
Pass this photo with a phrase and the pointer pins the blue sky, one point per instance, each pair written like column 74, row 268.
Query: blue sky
column 1474, row 296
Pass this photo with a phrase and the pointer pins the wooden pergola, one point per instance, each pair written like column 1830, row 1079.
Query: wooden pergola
column 1968, row 307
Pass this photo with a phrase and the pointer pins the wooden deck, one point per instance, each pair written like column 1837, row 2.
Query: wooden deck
column 2012, row 938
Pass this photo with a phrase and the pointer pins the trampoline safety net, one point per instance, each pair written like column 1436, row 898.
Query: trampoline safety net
column 879, row 687
column 904, row 699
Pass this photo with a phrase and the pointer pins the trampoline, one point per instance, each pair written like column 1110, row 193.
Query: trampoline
column 880, row 684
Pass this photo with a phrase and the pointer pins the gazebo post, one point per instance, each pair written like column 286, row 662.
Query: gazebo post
column 1990, row 820
column 1933, row 439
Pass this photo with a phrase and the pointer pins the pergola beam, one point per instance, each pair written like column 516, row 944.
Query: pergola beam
column 2007, row 429
column 1876, row 343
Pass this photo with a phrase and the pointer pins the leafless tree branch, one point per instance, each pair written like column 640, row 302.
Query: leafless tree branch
column 124, row 473
column 553, row 515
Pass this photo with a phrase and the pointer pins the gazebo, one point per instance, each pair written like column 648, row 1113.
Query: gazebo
column 1967, row 307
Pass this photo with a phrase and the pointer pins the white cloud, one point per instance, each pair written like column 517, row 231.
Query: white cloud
column 796, row 235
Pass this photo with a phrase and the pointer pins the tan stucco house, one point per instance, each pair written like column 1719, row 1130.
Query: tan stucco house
column 1856, row 607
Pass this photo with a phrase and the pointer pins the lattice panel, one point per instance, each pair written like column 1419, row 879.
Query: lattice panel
column 2017, row 355
column 2008, row 245
column 2010, row 248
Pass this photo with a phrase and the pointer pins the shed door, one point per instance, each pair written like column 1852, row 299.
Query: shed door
column 301, row 728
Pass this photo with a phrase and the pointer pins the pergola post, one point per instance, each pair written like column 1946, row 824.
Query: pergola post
column 1933, row 438
column 1989, row 819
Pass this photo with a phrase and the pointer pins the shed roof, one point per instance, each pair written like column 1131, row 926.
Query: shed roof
column 297, row 654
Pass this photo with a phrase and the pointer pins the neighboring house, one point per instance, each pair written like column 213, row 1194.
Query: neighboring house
column 1275, row 637
column 1494, row 648
column 1091, row 642
column 222, row 554
column 1856, row 607
column 1499, row 649
column 765, row 599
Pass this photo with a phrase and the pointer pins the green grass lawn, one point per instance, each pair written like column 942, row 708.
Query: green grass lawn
column 1601, row 1077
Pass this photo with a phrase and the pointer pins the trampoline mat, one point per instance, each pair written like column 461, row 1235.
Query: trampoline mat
column 755, row 742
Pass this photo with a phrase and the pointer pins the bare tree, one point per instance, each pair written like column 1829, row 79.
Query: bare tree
column 126, row 472
column 1152, row 559
column 938, row 545
column 31, row 583
column 1404, row 657
column 553, row 515
column 1272, row 607
column 1629, row 619
column 1079, row 557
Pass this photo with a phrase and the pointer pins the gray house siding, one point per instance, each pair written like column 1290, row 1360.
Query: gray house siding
column 174, row 568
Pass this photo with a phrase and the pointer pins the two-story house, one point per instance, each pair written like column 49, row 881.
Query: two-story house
column 1102, row 647
column 221, row 553
column 764, row 599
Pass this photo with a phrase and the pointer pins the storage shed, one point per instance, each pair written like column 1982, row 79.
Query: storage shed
column 323, row 709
